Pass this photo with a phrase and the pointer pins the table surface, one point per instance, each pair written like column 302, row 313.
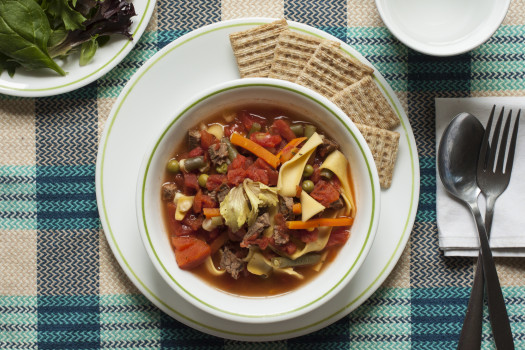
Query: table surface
column 60, row 286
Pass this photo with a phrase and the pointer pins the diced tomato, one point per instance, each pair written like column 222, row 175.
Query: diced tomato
column 307, row 236
column 190, row 182
column 193, row 221
column 236, row 176
column 207, row 139
column 197, row 202
column 240, row 162
column 178, row 229
column 190, row 252
column 215, row 181
column 266, row 139
column 282, row 128
column 316, row 176
column 261, row 242
column 257, row 174
column 208, row 202
column 298, row 191
column 171, row 208
column 235, row 127
column 197, row 151
column 247, row 119
column 325, row 193
column 289, row 248
column 202, row 201
column 338, row 236
column 273, row 175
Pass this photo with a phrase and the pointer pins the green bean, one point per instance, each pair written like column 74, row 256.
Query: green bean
column 232, row 152
column 222, row 169
column 298, row 129
column 203, row 178
column 326, row 173
column 308, row 259
column 308, row 170
column 173, row 166
column 194, row 163
column 256, row 127
column 309, row 130
column 308, row 186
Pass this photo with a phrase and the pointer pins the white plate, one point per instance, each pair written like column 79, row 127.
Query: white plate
column 195, row 61
column 45, row 82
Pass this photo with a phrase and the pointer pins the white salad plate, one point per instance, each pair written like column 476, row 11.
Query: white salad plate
column 187, row 66
column 45, row 82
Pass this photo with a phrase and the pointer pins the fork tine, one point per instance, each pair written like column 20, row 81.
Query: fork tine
column 494, row 142
column 482, row 160
column 512, row 147
column 503, row 144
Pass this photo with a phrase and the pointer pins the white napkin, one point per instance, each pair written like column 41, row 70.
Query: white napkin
column 456, row 227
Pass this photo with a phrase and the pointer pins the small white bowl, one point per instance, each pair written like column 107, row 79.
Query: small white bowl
column 334, row 276
column 442, row 27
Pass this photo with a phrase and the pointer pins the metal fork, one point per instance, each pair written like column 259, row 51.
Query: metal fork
column 492, row 179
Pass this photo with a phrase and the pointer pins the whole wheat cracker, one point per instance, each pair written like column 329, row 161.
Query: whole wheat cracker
column 254, row 48
column 384, row 145
column 292, row 53
column 330, row 70
column 364, row 103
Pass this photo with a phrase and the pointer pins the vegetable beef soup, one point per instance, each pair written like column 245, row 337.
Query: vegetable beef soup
column 257, row 200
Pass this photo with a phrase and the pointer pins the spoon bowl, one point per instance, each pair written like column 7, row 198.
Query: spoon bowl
column 458, row 156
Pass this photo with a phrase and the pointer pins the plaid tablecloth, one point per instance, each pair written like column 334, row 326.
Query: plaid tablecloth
column 60, row 286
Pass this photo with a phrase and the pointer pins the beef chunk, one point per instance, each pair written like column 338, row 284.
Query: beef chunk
column 327, row 147
column 220, row 193
column 280, row 237
column 338, row 204
column 280, row 231
column 194, row 139
column 218, row 154
column 262, row 222
column 231, row 263
column 286, row 207
column 169, row 190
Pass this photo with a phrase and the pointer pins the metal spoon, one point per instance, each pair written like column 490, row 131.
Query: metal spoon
column 457, row 166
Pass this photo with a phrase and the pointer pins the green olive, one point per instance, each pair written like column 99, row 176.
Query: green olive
column 326, row 173
column 309, row 130
column 203, row 178
column 222, row 169
column 298, row 129
column 308, row 170
column 173, row 166
column 308, row 186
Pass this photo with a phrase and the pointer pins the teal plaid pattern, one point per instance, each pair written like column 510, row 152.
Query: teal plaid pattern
column 50, row 201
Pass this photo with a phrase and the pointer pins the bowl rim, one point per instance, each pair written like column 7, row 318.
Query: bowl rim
column 442, row 50
column 372, row 179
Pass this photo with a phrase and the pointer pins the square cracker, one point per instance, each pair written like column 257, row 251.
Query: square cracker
column 330, row 70
column 384, row 145
column 292, row 53
column 254, row 48
column 364, row 103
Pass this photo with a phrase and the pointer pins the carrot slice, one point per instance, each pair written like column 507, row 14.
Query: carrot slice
column 211, row 212
column 296, row 208
column 302, row 225
column 256, row 149
column 290, row 149
column 190, row 252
